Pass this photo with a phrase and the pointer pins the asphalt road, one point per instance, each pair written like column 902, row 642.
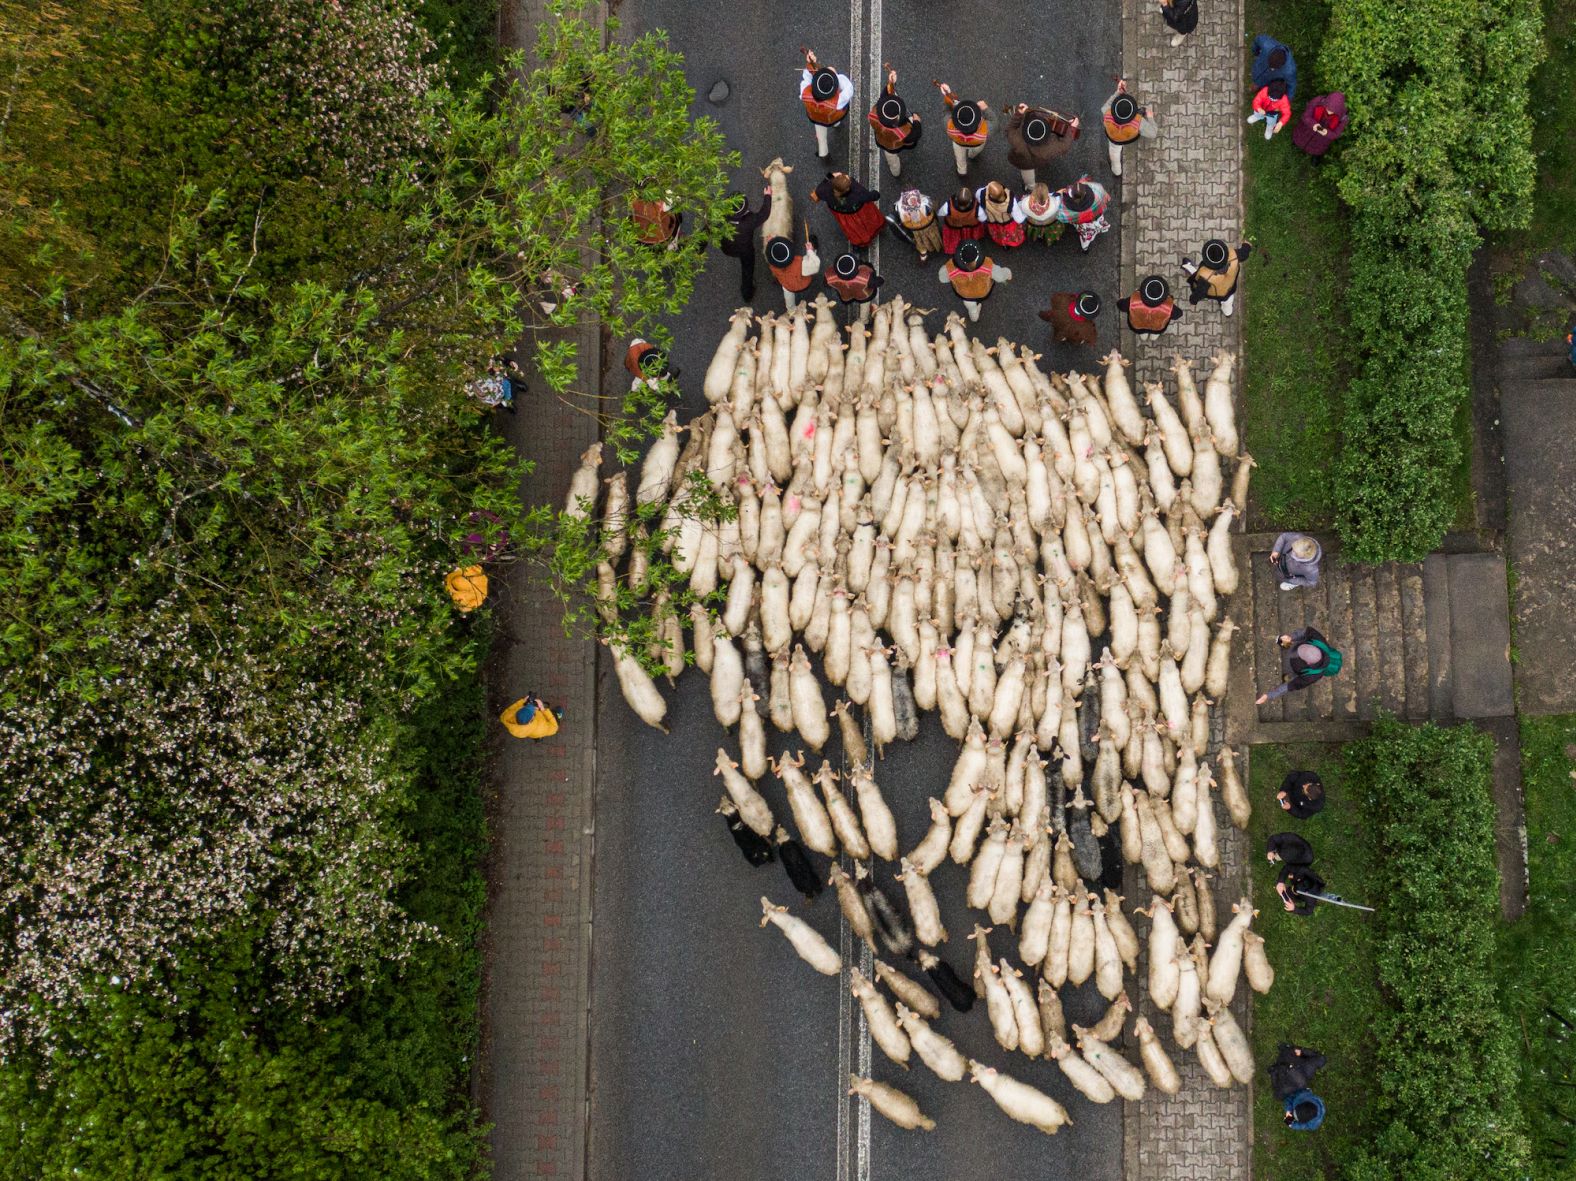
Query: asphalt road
column 716, row 1053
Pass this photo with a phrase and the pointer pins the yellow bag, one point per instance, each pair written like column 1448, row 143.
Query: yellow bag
column 467, row 586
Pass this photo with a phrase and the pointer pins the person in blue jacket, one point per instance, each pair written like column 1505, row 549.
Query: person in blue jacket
column 1273, row 60
column 1304, row 1111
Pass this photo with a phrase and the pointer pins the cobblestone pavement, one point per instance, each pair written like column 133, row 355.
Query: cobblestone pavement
column 1177, row 191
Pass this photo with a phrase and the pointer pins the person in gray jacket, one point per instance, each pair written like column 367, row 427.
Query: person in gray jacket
column 1297, row 557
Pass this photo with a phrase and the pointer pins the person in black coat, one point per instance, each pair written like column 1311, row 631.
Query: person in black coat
column 1302, row 794
column 1290, row 849
column 1293, row 886
column 1293, row 1070
column 740, row 243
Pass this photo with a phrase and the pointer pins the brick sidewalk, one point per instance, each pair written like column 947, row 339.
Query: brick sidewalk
column 531, row 1078
column 1177, row 191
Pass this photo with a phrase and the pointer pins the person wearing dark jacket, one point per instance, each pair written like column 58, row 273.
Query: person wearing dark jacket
column 1305, row 657
column 1216, row 273
column 740, row 243
column 1293, row 1070
column 1071, row 317
column 1302, row 794
column 1294, row 885
column 856, row 208
column 1181, row 16
column 1035, row 137
column 1323, row 120
column 1151, row 309
column 1272, row 60
column 1304, row 1111
column 1289, row 848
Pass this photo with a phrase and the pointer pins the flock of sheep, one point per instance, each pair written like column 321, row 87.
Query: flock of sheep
column 1041, row 562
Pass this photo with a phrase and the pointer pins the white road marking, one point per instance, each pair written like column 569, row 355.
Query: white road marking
column 874, row 163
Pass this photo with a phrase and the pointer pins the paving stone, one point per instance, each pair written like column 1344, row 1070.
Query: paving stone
column 1261, row 635
column 1414, row 637
column 1480, row 636
column 1293, row 614
column 1316, row 602
column 1364, row 654
column 1338, row 589
column 1392, row 673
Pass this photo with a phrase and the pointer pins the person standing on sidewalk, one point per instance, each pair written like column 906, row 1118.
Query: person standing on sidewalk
column 1150, row 309
column 916, row 221
column 960, row 221
column 1297, row 557
column 854, row 281
column 967, row 127
column 794, row 272
column 1124, row 122
column 972, row 275
column 1272, row 107
column 531, row 717
column 740, row 243
column 826, row 95
column 1082, row 205
column 1035, row 137
column 1323, row 120
column 894, row 129
column 1215, row 275
column 1181, row 16
column 1002, row 214
column 1071, row 317
column 855, row 207
column 1305, row 657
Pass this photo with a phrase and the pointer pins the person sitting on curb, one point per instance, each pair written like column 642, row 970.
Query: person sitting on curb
column 1304, row 1111
column 1305, row 657
column 1295, row 884
column 1302, row 794
column 531, row 717
column 1297, row 556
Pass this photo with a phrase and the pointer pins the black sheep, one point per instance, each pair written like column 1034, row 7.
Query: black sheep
column 892, row 928
column 796, row 860
column 958, row 993
column 757, row 849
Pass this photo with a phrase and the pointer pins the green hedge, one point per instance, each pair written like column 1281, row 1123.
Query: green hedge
column 1440, row 148
column 1447, row 1062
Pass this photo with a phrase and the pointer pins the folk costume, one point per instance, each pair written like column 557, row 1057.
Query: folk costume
column 1150, row 309
column 1215, row 275
column 1002, row 214
column 740, row 243
column 794, row 272
column 655, row 222
column 1082, row 205
column 647, row 363
column 854, row 281
column 960, row 221
column 1323, row 120
column 967, row 128
column 1124, row 122
column 916, row 219
column 1272, row 107
column 826, row 95
column 894, row 129
column 1039, row 213
column 1035, row 137
column 972, row 276
column 1071, row 317
column 855, row 207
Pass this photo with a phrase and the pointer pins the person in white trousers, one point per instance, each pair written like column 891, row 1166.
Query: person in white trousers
column 972, row 275
column 826, row 95
column 1124, row 122
column 967, row 127
column 893, row 128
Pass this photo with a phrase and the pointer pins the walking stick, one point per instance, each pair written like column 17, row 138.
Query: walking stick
column 1335, row 898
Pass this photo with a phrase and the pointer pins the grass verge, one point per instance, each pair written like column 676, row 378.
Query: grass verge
column 1324, row 970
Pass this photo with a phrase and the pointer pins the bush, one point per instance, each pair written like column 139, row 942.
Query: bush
column 1447, row 1063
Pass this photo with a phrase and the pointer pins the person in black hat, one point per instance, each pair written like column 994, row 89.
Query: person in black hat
column 648, row 363
column 1071, row 317
column 1035, row 137
column 856, row 208
column 1215, row 275
column 854, row 281
column 895, row 130
column 826, row 95
column 1124, row 122
column 1182, row 16
column 1150, row 309
column 793, row 272
column 967, row 127
column 740, row 242
column 960, row 220
column 972, row 275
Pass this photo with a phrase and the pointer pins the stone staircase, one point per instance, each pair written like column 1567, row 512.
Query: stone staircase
column 1421, row 640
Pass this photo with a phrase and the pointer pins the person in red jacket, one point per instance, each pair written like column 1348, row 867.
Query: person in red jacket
column 854, row 281
column 894, row 129
column 1323, row 120
column 826, row 95
column 1272, row 107
column 856, row 208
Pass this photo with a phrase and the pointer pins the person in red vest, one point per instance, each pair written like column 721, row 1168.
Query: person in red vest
column 794, row 272
column 960, row 221
column 1124, row 122
column 854, row 281
column 1150, row 309
column 1323, row 120
column 655, row 222
column 826, row 95
column 972, row 276
column 1272, row 107
column 1002, row 214
column 1071, row 317
column 894, row 129
column 1082, row 205
column 856, row 208
column 967, row 127
column 648, row 364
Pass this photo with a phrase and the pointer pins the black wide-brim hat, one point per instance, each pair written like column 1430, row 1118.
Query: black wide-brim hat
column 1088, row 304
column 966, row 116
column 969, row 255
column 1036, row 130
column 823, row 83
column 1154, row 291
column 891, row 111
column 653, row 362
column 779, row 252
column 1124, row 108
column 846, row 266
column 1215, row 253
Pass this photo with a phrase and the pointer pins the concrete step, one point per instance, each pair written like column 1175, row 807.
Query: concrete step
column 1261, row 632
column 1436, row 606
column 1414, row 636
column 1480, row 636
column 1534, row 367
column 1392, row 654
column 1364, row 653
column 1321, row 701
column 1343, row 688
column 1294, row 612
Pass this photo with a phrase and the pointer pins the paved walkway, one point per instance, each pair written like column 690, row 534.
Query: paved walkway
column 1177, row 191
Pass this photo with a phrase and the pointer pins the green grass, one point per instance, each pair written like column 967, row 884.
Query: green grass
column 1324, row 970
column 1537, row 953
column 1293, row 367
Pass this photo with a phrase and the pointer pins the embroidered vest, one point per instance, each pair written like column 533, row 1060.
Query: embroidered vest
column 975, row 284
column 1144, row 318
